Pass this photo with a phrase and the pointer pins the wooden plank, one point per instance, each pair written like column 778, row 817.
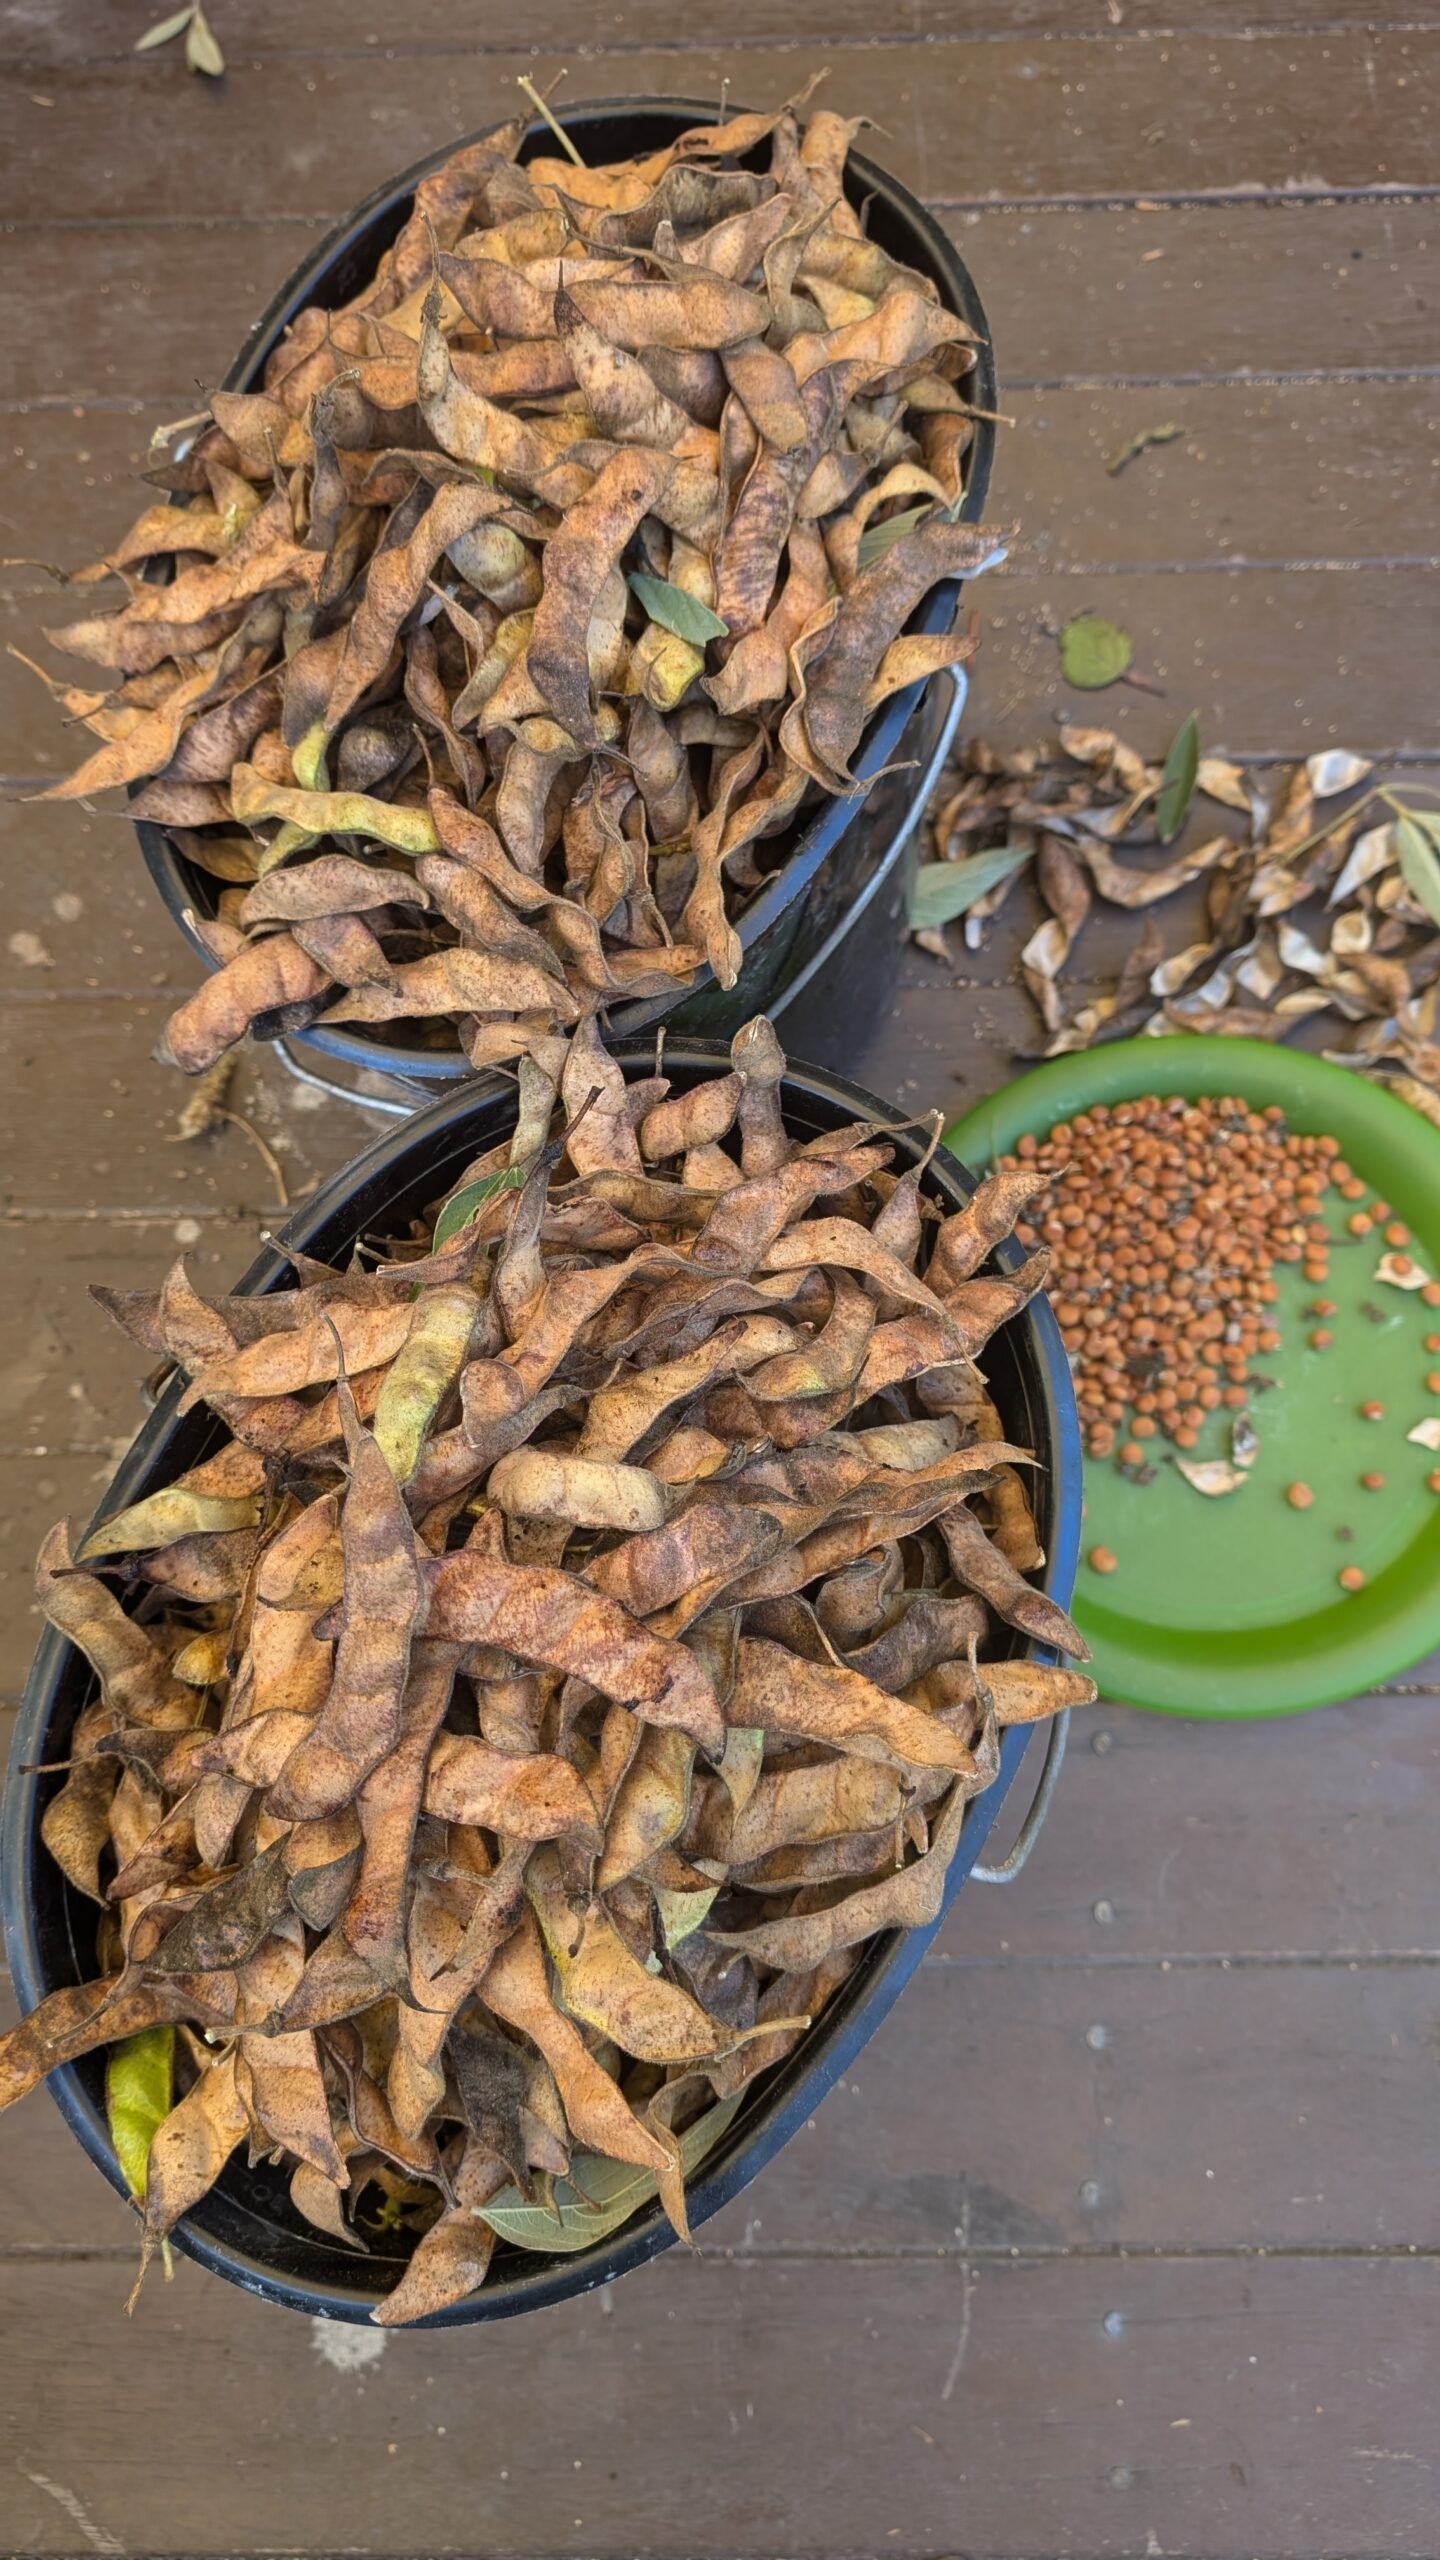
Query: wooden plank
column 139, row 310
column 1186, row 292
column 1049, row 119
column 1275, row 661
column 103, row 1151
column 1042, row 2109
column 1187, row 1839
column 1259, row 473
column 105, row 31
column 1221, row 2407
column 135, row 310
column 1272, row 659
column 1292, row 470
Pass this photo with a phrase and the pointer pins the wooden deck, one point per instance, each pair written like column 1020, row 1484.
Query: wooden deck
column 1124, row 2236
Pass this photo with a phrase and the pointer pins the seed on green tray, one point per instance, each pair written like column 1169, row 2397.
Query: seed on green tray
column 1350, row 1578
column 1299, row 1496
column 1103, row 1560
column 1372, row 1412
column 1373, row 1482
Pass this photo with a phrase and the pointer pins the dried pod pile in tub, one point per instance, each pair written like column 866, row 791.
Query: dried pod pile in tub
column 590, row 1635
column 535, row 589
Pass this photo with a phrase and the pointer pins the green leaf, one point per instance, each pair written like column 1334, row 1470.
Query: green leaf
column 1093, row 652
column 201, row 50
column 163, row 30
column 676, row 611
column 597, row 2196
column 139, row 2093
column 1429, row 819
column 465, row 1204
column 877, row 538
column 944, row 890
column 1419, row 861
column 1177, row 782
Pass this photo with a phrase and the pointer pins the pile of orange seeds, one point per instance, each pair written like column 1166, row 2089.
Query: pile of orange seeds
column 1165, row 1219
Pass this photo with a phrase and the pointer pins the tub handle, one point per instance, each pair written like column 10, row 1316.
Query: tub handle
column 392, row 1109
column 1008, row 1868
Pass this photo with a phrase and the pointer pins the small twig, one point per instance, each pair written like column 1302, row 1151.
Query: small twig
column 561, row 136
column 266, row 1153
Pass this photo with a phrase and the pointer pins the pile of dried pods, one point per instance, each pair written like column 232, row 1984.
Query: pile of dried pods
column 576, row 1652
column 1329, row 904
column 535, row 589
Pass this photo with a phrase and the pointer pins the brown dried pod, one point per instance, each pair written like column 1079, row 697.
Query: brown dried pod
column 507, row 1780
column 602, row 470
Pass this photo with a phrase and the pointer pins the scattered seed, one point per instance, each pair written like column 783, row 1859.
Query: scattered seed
column 1372, row 1412
column 1373, row 1483
column 1131, row 1453
column 1432, row 1481
column 1360, row 1225
column 1320, row 1307
column 1321, row 1338
column 1103, row 1560
column 1350, row 1578
column 1430, row 1294
column 1299, row 1496
column 1397, row 1232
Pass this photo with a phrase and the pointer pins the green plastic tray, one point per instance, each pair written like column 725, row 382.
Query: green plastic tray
column 1229, row 1606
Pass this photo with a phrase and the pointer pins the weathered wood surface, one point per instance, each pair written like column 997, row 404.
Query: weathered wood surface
column 1047, row 118
column 1122, row 2236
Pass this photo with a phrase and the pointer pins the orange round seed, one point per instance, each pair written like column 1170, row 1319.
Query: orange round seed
column 1350, row 1578
column 1299, row 1496
column 1373, row 1482
column 1359, row 1225
column 1103, row 1560
column 1432, row 1481
column 1321, row 1339
column 1397, row 1232
column 1372, row 1412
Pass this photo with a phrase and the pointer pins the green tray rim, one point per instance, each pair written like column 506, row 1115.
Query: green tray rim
column 1365, row 1640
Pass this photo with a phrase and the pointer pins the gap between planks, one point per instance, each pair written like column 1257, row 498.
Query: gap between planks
column 950, row 40
column 986, row 2252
